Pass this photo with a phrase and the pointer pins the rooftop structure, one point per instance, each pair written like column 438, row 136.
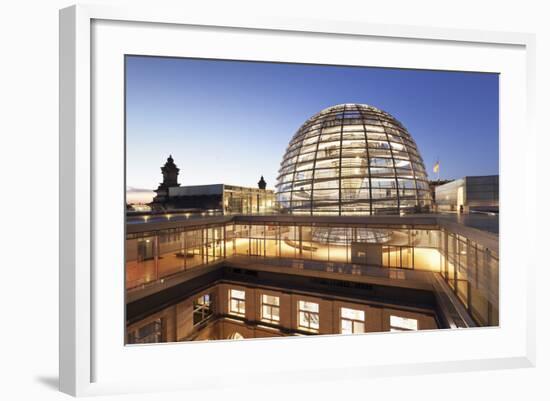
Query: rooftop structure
column 430, row 263
column 469, row 194
column 226, row 199
column 214, row 198
column 352, row 159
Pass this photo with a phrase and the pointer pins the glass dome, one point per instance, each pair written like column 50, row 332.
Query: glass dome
column 352, row 159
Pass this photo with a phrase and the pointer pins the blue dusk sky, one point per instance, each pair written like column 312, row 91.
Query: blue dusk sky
column 230, row 122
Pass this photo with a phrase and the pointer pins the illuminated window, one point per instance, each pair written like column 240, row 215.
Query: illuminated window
column 270, row 308
column 398, row 323
column 236, row 302
column 202, row 309
column 150, row 333
column 353, row 321
column 308, row 315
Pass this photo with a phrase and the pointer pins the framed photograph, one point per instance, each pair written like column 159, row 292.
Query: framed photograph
column 290, row 200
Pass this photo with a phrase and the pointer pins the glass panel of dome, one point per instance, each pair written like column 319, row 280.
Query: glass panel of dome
column 376, row 136
column 373, row 128
column 292, row 153
column 401, row 155
column 303, row 175
column 355, row 162
column 301, row 196
column 379, row 172
column 396, row 146
column 354, row 135
column 357, row 143
column 308, row 148
column 310, row 141
column 300, row 203
column 382, row 183
column 394, row 135
column 304, row 166
column 329, row 145
column 360, row 152
column 283, row 196
column 422, row 185
column 326, row 184
column 289, row 161
column 379, row 144
column 404, row 164
column 327, row 163
column 406, row 175
column 332, row 130
column 330, row 137
column 356, row 130
column 306, row 157
column 407, row 193
column 326, row 194
column 327, row 173
column 377, row 154
column 354, row 171
column 406, row 184
column 302, row 186
column 285, row 187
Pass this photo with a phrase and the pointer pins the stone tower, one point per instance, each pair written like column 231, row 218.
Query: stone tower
column 170, row 174
column 262, row 184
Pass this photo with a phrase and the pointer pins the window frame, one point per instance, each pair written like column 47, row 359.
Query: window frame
column 271, row 308
column 239, row 301
column 394, row 328
column 352, row 321
column 308, row 314
column 205, row 309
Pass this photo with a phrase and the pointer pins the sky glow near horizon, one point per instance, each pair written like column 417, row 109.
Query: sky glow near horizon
column 230, row 122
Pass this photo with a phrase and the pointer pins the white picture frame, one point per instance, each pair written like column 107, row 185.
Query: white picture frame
column 89, row 365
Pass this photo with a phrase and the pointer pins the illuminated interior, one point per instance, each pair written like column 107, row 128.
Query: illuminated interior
column 281, row 312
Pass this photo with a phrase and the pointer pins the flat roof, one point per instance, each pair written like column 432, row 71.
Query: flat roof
column 210, row 189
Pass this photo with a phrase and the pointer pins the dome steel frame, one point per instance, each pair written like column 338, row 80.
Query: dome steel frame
column 352, row 159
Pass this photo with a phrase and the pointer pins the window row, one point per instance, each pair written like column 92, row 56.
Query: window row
column 352, row 321
column 334, row 154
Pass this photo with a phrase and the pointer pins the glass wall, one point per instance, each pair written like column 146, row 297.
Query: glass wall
column 153, row 256
column 472, row 272
column 470, row 269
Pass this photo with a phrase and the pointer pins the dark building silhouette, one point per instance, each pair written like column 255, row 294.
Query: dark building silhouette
column 170, row 174
column 262, row 184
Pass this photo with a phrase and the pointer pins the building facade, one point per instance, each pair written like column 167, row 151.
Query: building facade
column 469, row 194
column 234, row 310
column 216, row 198
column 228, row 199
column 423, row 253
